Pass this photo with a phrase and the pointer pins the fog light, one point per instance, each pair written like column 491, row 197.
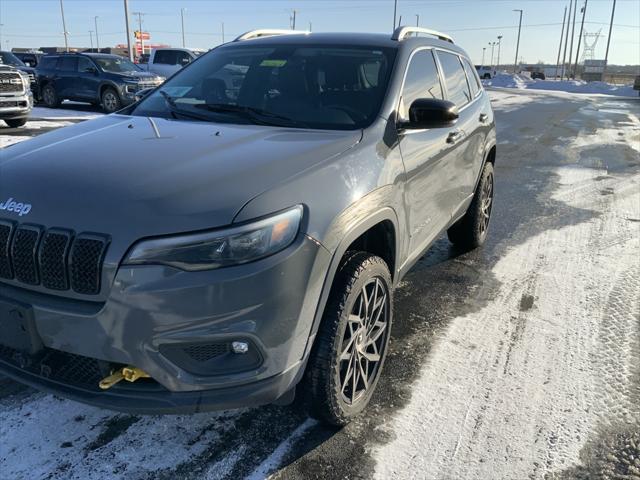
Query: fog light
column 240, row 347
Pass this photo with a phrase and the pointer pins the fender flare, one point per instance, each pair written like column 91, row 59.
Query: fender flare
column 381, row 215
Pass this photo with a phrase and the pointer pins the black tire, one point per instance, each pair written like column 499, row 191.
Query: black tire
column 110, row 100
column 50, row 97
column 471, row 230
column 16, row 122
column 327, row 379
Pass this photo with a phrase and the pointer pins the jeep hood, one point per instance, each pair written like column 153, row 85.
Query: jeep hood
column 133, row 177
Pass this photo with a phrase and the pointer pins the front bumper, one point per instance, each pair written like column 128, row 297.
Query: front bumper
column 15, row 105
column 152, row 312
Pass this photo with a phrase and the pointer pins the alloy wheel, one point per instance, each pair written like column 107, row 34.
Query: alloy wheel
column 363, row 342
column 487, row 203
column 110, row 102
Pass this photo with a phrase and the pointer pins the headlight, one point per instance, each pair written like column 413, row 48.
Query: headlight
column 221, row 248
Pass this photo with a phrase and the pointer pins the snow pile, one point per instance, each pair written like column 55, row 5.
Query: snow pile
column 504, row 80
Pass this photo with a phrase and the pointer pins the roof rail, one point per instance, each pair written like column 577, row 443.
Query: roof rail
column 401, row 33
column 265, row 32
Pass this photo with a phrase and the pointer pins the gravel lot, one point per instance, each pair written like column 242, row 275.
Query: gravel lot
column 517, row 361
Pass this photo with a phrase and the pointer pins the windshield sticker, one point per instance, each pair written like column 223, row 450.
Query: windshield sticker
column 273, row 63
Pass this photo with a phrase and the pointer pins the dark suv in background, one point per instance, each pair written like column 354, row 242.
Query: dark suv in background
column 100, row 79
column 240, row 230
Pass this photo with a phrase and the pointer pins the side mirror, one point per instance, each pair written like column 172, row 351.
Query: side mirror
column 431, row 113
column 140, row 94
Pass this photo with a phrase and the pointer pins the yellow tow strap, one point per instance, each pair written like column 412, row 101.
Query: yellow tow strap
column 130, row 374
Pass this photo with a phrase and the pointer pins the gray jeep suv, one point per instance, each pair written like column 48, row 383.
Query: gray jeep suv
column 236, row 235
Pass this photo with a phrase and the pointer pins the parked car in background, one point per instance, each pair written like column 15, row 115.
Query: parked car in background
column 16, row 99
column 212, row 248
column 100, row 79
column 485, row 72
column 636, row 84
column 30, row 59
column 536, row 75
column 167, row 61
column 8, row 58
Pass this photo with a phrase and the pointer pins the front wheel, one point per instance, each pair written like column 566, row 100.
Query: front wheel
column 50, row 97
column 471, row 230
column 16, row 122
column 351, row 345
column 111, row 101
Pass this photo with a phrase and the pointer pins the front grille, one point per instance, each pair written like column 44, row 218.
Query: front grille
column 13, row 104
column 56, row 258
column 10, row 82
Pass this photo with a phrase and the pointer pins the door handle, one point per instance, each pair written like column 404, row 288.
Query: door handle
column 483, row 117
column 454, row 137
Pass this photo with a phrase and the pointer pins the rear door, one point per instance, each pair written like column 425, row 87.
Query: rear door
column 65, row 76
column 464, row 137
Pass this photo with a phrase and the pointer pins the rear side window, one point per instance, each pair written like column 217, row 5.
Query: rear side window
column 182, row 58
column 48, row 62
column 472, row 77
column 455, row 78
column 67, row 64
column 422, row 80
column 85, row 65
column 165, row 57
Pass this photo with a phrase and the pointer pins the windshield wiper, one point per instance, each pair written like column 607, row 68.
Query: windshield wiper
column 252, row 113
column 175, row 110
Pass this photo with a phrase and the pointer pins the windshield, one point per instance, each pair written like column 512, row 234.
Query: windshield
column 8, row 58
column 116, row 64
column 322, row 87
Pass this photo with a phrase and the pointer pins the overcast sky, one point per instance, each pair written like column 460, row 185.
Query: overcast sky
column 472, row 23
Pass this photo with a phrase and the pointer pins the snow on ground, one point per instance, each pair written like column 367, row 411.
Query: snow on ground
column 522, row 82
column 74, row 111
column 6, row 140
column 516, row 389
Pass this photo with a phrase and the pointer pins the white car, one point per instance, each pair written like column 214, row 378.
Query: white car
column 167, row 61
column 485, row 72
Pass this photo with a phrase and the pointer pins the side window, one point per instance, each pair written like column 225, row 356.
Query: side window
column 472, row 77
column 183, row 58
column 47, row 62
column 455, row 78
column 85, row 65
column 422, row 80
column 165, row 57
column 67, row 64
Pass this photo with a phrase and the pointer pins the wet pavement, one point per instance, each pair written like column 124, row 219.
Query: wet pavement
column 517, row 360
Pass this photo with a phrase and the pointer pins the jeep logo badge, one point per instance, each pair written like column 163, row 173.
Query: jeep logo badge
column 12, row 206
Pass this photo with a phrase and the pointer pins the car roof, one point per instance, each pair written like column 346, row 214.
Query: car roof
column 379, row 40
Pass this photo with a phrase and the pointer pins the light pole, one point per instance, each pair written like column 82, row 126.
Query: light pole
column 564, row 17
column 91, row 39
column 417, row 19
column 222, row 32
column 64, row 28
column 573, row 33
column 95, row 22
column 126, row 19
column 499, row 43
column 515, row 65
column 1, row 25
column 395, row 10
column 584, row 13
column 566, row 43
column 140, row 14
column 493, row 46
column 182, row 19
column 484, row 49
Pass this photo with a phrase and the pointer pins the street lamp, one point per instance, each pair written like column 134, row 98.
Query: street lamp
column 499, row 43
column 91, row 39
column 515, row 65
column 493, row 46
column 95, row 22
column 484, row 49
column 182, row 10
column 417, row 19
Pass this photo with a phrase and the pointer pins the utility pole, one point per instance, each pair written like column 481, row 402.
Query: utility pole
column 95, row 22
column 564, row 17
column 310, row 27
column 1, row 25
column 499, row 43
column 222, row 32
column 64, row 28
column 140, row 14
column 606, row 55
column 126, row 19
column 417, row 19
column 573, row 34
column 395, row 10
column 484, row 49
column 91, row 39
column 293, row 20
column 584, row 12
column 182, row 20
column 566, row 42
column 515, row 66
